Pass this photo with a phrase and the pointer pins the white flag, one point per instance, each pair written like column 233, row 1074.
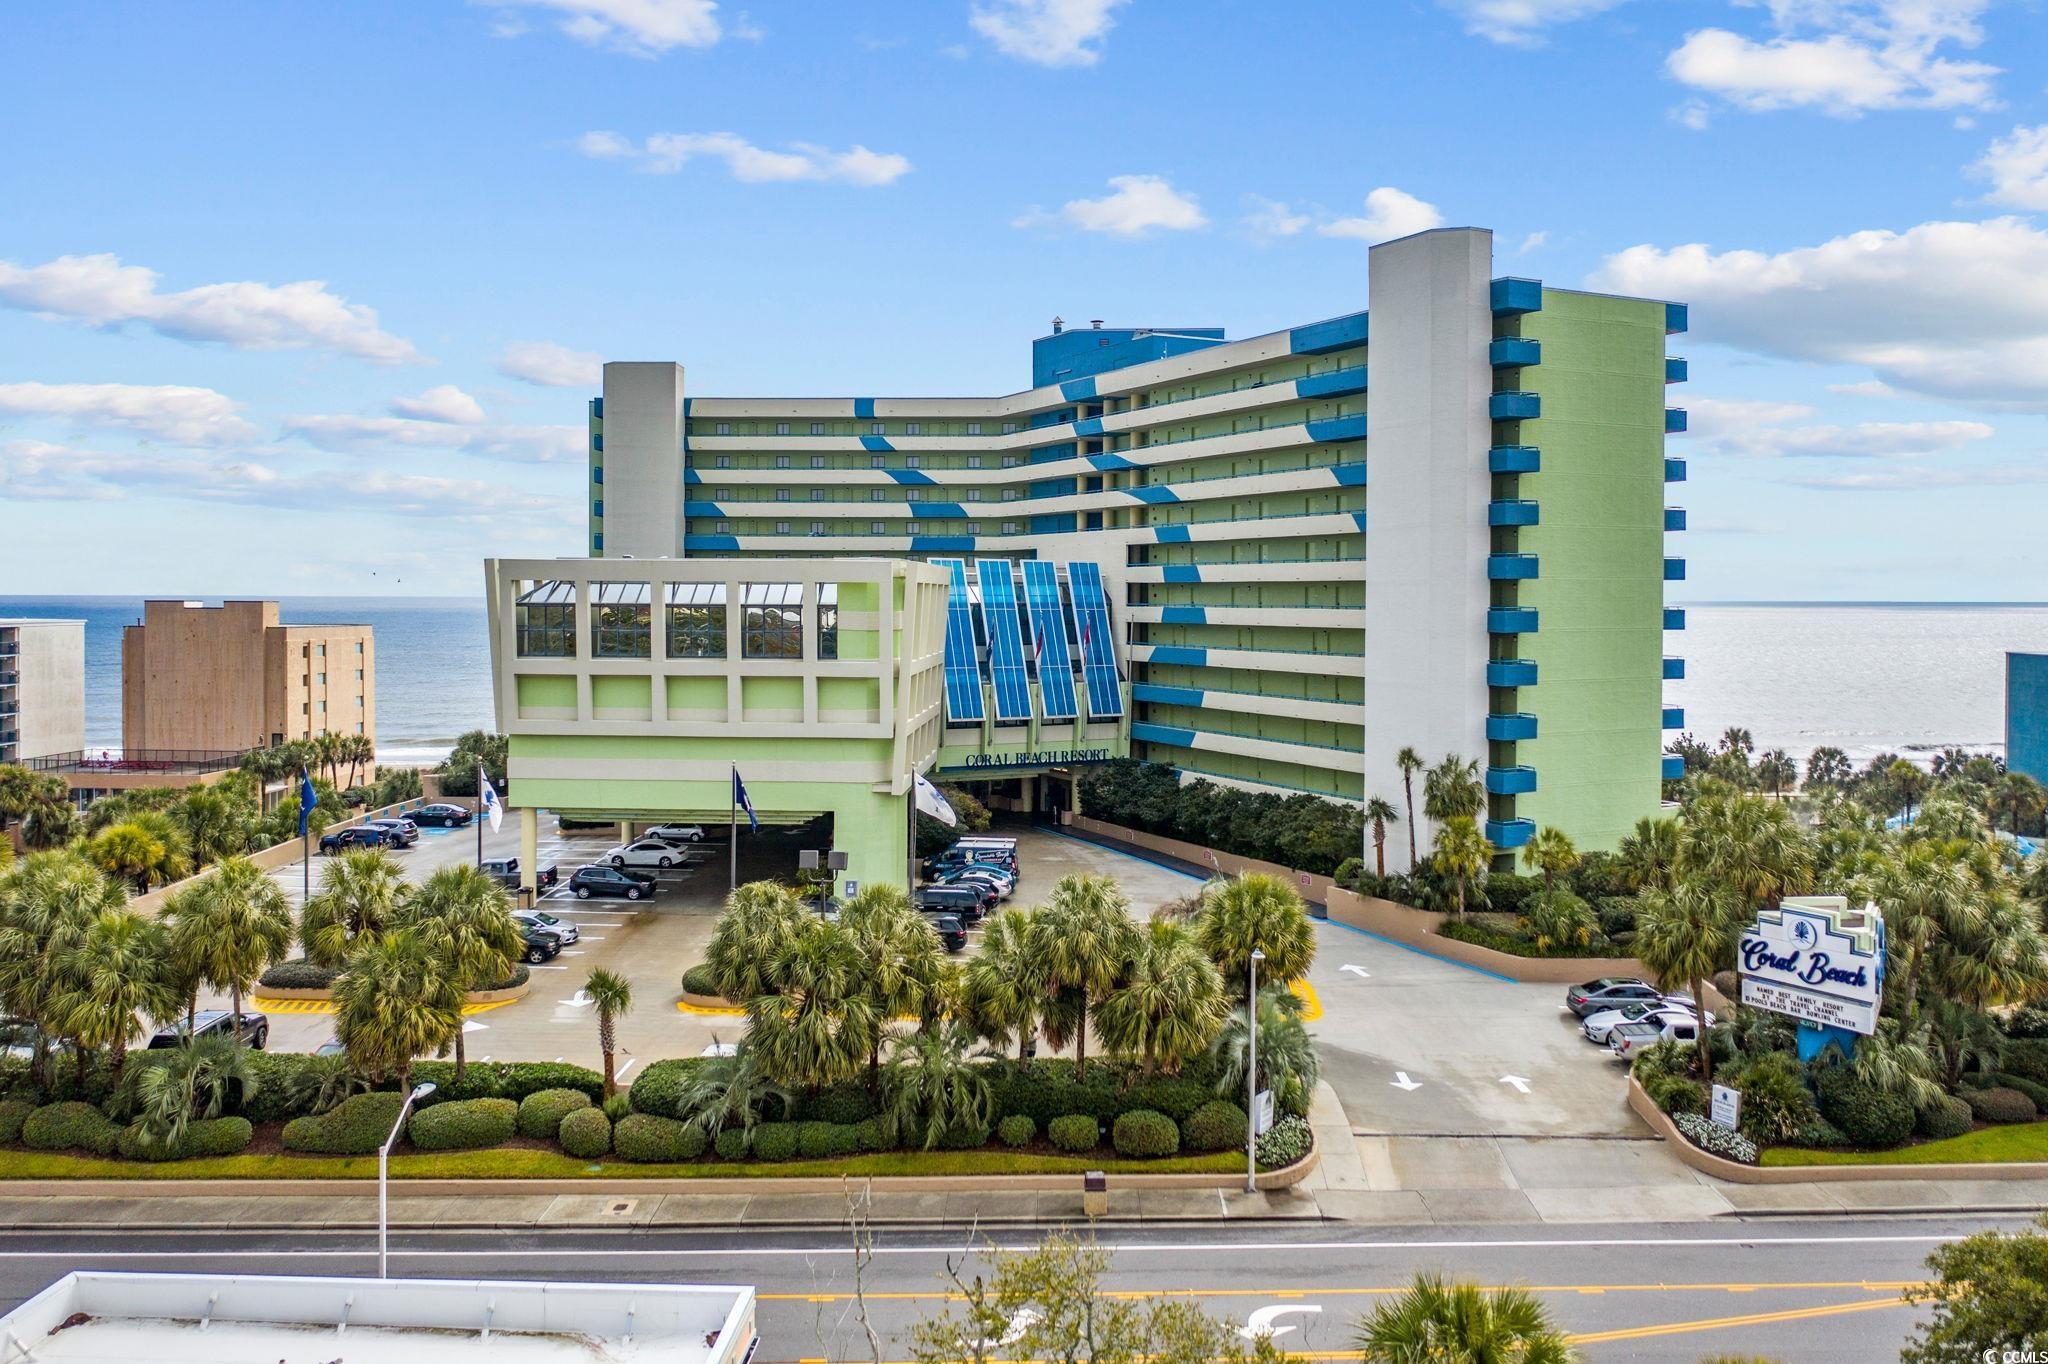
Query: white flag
column 931, row 802
column 493, row 807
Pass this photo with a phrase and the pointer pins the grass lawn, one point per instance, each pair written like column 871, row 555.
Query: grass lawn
column 514, row 1163
column 2021, row 1141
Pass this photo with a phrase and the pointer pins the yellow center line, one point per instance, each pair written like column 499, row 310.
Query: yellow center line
column 1719, row 1323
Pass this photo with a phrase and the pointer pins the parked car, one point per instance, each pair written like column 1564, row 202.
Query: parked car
column 999, row 887
column 953, row 858
column 548, row 923
column 331, row 1047
column 399, row 833
column 442, row 816
column 588, row 881
column 1626, row 1039
column 361, row 836
column 674, row 834
column 646, row 852
column 540, row 946
column 255, row 1029
column 964, row 901
column 952, row 935
column 1005, row 875
column 1597, row 1026
column 1610, row 992
column 987, row 891
column 505, row 871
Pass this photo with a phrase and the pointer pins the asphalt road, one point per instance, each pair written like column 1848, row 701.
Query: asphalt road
column 1810, row 1291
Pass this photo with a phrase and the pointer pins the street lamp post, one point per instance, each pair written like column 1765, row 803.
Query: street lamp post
column 1251, row 1077
column 419, row 1091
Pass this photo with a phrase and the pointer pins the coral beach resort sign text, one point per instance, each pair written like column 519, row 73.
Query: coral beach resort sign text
column 1816, row 959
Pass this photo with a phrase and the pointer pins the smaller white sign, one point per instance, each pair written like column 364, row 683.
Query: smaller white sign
column 852, row 889
column 1727, row 1109
column 1262, row 1112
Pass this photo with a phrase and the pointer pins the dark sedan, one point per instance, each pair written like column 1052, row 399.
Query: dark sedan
column 362, row 836
column 441, row 816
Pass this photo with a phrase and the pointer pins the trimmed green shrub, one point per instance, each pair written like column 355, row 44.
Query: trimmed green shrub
column 2027, row 1058
column 202, row 1137
column 699, row 980
column 1947, row 1116
column 2032, row 1089
column 826, row 1140
column 1775, row 1101
column 465, row 1125
column 1675, row 1094
column 1075, row 1132
column 963, row 1138
column 541, row 1112
column 356, row 1126
column 13, row 1113
column 1868, row 1117
column 1617, row 914
column 298, row 974
column 1016, row 1130
column 843, row 1104
column 1518, row 945
column 646, row 1139
column 732, row 1143
column 480, row 1080
column 617, row 1106
column 2001, row 1105
column 287, row 1084
column 1177, row 1099
column 1819, row 1135
column 585, row 1133
column 1145, row 1134
column 871, row 1134
column 70, row 1125
column 659, row 1088
column 1285, row 1142
column 2027, row 1023
column 1218, row 1125
column 1044, row 1090
column 775, row 1141
column 518, row 1079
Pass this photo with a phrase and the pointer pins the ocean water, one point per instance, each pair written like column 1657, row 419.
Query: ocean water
column 1865, row 678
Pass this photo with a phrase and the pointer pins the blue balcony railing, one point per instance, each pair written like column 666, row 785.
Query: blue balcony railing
column 1510, row 567
column 1674, row 318
column 1674, row 670
column 1675, row 369
column 1674, row 617
column 1511, row 296
column 1674, row 420
column 1511, row 728
column 1674, row 469
column 1511, row 352
column 1674, row 767
column 1674, row 717
column 1509, row 833
column 1513, row 406
column 1511, row 620
column 1521, row 512
column 1674, row 518
column 1674, row 570
column 1514, row 459
column 1511, row 672
column 1510, row 781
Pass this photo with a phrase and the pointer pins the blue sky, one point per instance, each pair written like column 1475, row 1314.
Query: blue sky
column 304, row 298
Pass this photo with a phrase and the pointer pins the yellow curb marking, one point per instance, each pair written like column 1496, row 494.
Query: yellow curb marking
column 328, row 1006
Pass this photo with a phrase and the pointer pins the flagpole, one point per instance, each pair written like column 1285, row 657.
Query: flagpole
column 910, row 846
column 732, row 805
column 482, row 779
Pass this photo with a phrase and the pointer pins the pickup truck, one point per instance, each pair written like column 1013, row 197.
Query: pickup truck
column 1626, row 1039
column 505, row 871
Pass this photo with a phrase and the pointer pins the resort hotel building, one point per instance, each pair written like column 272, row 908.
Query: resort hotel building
column 1271, row 563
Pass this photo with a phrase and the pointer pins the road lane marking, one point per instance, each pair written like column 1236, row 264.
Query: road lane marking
column 1722, row 1323
column 1401, row 1081
column 1520, row 1082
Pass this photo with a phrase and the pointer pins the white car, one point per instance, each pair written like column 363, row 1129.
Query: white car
column 1597, row 1026
column 1626, row 1039
column 674, row 833
column 646, row 852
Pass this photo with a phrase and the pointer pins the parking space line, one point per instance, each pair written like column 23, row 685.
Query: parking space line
column 1421, row 952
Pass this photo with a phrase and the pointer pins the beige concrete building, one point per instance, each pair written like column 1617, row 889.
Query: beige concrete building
column 231, row 677
column 42, row 688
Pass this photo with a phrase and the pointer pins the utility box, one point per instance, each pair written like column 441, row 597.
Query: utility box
column 1095, row 1194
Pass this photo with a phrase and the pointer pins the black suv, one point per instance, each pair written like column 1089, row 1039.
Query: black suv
column 964, row 901
column 399, row 833
column 255, row 1029
column 589, row 881
column 947, row 926
column 362, row 836
column 541, row 945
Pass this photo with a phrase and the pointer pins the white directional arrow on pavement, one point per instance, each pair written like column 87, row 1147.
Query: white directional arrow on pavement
column 1024, row 1320
column 1358, row 971
column 1520, row 1082
column 581, row 1001
column 1260, row 1323
column 1401, row 1081
column 471, row 1025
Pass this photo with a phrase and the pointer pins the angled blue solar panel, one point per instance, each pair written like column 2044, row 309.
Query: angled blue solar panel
column 1005, row 640
column 1049, row 640
column 1098, row 652
column 963, row 673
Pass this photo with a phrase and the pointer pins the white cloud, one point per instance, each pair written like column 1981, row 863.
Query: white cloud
column 167, row 412
column 1522, row 22
column 41, row 472
column 2017, row 167
column 1135, row 205
column 1389, row 213
column 1765, row 430
column 551, row 366
column 1535, row 241
column 1954, row 310
column 1692, row 114
column 639, row 28
column 1844, row 57
column 353, row 435
column 1047, row 32
column 445, row 403
column 667, row 153
column 1923, row 479
column 102, row 292
column 1865, row 388
column 1271, row 218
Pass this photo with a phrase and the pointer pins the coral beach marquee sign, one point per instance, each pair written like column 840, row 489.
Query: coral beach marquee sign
column 1816, row 959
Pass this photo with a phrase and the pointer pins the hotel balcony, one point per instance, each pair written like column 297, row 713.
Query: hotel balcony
column 1511, row 672
column 1674, row 570
column 1511, row 728
column 1674, row 420
column 1674, row 518
column 1675, row 369
column 1509, row 833
column 1511, row 620
column 1674, row 717
column 1510, row 781
column 1674, row 617
column 1511, row 296
column 1674, row 469
column 1514, row 459
column 1512, row 513
column 1512, row 352
column 1674, row 767
column 1513, row 406
column 1674, row 669
column 1510, row 567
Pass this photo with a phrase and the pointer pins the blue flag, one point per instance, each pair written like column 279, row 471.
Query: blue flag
column 739, row 798
column 308, row 798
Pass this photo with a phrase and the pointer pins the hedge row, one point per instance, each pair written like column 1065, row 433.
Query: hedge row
column 464, row 1125
column 300, row 974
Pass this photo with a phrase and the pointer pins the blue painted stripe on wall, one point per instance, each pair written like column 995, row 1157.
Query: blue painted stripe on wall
column 864, row 408
column 712, row 542
column 1353, row 329
column 1088, row 426
column 1184, row 615
column 1358, row 519
column 1110, row 462
column 1154, row 494
column 1337, row 428
column 941, row 544
column 1170, row 535
column 700, row 509
column 1183, row 573
column 878, row 444
column 1351, row 475
column 913, row 477
column 1163, row 734
column 1334, row 384
column 691, row 478
column 1077, row 390
column 1167, row 695
column 928, row 511
column 1180, row 653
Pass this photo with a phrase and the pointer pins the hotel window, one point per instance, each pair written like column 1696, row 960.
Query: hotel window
column 974, row 527
column 828, row 620
column 915, row 495
column 320, row 706
column 359, row 674
column 620, row 621
column 722, row 429
column 1011, row 527
column 696, row 620
column 1010, row 494
column 817, row 461
column 724, row 461
column 817, row 428
column 723, row 526
column 321, row 678
column 782, row 428
column 974, row 461
column 782, row 494
column 875, row 463
column 974, row 428
column 912, row 429
column 782, row 461
column 319, row 651
column 1012, row 461
column 817, row 527
column 974, row 494
column 817, row 494
column 1009, row 428
column 913, row 461
column 876, row 429
column 359, row 646
column 782, row 527
column 771, row 620
column 359, row 726
column 875, row 527
column 877, row 495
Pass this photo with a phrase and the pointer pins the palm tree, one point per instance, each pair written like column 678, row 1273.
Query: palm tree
column 1410, row 762
column 135, row 853
column 1452, row 790
column 2019, row 798
column 1648, row 854
column 1439, row 1322
column 1908, row 781
column 1928, row 897
column 931, row 1088
column 730, row 1091
column 820, row 1024
column 215, row 827
column 357, row 749
column 1379, row 812
column 47, row 816
column 1776, row 770
column 327, row 754
column 1551, row 853
column 359, row 898
column 1255, row 912
column 1170, row 1003
column 1827, row 766
column 1994, row 956
column 199, row 1080
column 1683, row 936
column 1462, row 856
column 465, row 919
column 1749, row 848
column 760, row 921
column 236, row 922
column 1004, row 985
column 610, row 997
column 395, row 1003
column 1084, row 939
column 110, row 981
column 1736, row 739
column 904, row 961
column 1288, row 1064
column 46, row 904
